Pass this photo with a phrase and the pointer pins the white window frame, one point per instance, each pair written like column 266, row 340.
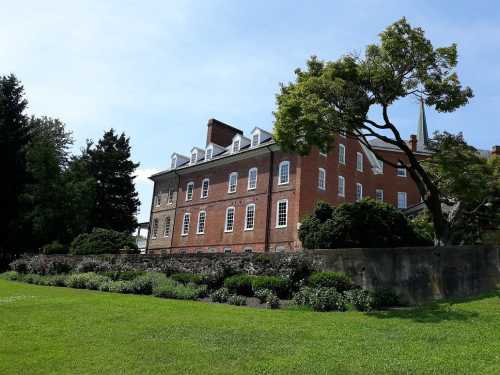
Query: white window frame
column 359, row 191
column 173, row 163
column 158, row 199
column 401, row 171
column 381, row 192
column 170, row 197
column 278, row 225
column 168, row 220
column 341, row 183
column 343, row 133
column 342, row 153
column 202, row 193
column 236, row 146
column 324, row 154
column 209, row 153
column 229, row 190
column 186, row 224
column 194, row 158
column 198, row 231
column 321, row 178
column 359, row 161
column 154, row 229
column 280, row 175
column 380, row 166
column 405, row 195
column 251, row 205
column 230, row 208
column 189, row 196
column 250, row 187
column 255, row 144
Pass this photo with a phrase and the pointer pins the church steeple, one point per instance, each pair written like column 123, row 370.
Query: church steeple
column 422, row 134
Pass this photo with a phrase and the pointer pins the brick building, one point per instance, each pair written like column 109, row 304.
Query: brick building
column 243, row 194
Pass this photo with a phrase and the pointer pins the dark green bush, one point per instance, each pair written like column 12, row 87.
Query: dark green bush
column 220, row 295
column 237, row 300
column 32, row 278
column 262, row 294
column 272, row 301
column 303, row 296
column 122, row 275
column 337, row 280
column 277, row 285
column 54, row 247
column 383, row 298
column 172, row 289
column 366, row 223
column 93, row 265
column 59, row 267
column 360, row 299
column 240, row 284
column 19, row 265
column 327, row 299
column 103, row 241
column 186, row 277
column 10, row 275
column 79, row 280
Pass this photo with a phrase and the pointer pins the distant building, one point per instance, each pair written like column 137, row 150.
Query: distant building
column 243, row 194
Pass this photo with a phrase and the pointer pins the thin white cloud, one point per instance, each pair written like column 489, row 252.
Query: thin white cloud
column 142, row 175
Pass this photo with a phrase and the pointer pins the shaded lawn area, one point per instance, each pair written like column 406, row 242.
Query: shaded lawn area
column 47, row 330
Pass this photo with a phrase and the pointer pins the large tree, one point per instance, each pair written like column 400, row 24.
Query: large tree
column 341, row 96
column 14, row 138
column 116, row 197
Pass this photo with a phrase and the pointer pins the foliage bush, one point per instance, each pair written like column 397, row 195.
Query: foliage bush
column 172, row 289
column 262, row 294
column 240, row 284
column 93, row 265
column 20, row 265
column 32, row 278
column 272, row 301
column 338, row 280
column 366, row 223
column 237, row 300
column 79, row 280
column 54, row 247
column 10, row 275
column 303, row 296
column 327, row 299
column 39, row 265
column 56, row 267
column 56, row 280
column 122, row 275
column 144, row 284
column 383, row 298
column 186, row 277
column 103, row 241
column 277, row 285
column 220, row 295
column 360, row 299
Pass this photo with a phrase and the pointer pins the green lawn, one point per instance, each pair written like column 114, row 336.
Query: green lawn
column 46, row 330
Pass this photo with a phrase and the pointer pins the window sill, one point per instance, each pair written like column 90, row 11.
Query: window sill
column 248, row 229
column 281, row 226
column 184, row 234
column 283, row 183
column 250, row 189
column 200, row 233
column 231, row 192
column 228, row 231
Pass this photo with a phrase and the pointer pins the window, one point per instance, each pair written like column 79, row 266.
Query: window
column 322, row 179
column 250, row 217
column 208, row 154
column 343, row 133
column 236, row 145
column 379, row 195
column 189, row 191
column 255, row 140
column 193, row 157
column 202, row 218
column 401, row 171
column 227, row 250
column 170, row 196
column 158, row 199
column 284, row 173
column 380, row 166
column 154, row 232
column 233, row 182
column 252, row 179
column 341, row 189
column 359, row 162
column 359, row 191
column 322, row 153
column 229, row 226
column 279, row 249
column 248, row 250
column 166, row 231
column 185, row 224
column 204, row 188
column 401, row 199
column 282, row 213
column 174, row 162
column 341, row 154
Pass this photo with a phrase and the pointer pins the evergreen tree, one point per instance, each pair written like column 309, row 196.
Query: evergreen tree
column 14, row 137
column 116, row 199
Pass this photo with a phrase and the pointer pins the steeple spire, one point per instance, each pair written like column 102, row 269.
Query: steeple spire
column 422, row 134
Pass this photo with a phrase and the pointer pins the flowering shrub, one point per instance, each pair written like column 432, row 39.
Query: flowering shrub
column 360, row 299
column 237, row 300
column 220, row 295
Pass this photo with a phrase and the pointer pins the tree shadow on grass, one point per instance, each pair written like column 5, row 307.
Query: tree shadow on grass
column 435, row 312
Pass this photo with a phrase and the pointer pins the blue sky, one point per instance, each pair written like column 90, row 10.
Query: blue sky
column 158, row 70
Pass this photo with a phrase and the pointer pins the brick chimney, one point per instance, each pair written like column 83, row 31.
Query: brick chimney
column 413, row 142
column 220, row 133
column 495, row 151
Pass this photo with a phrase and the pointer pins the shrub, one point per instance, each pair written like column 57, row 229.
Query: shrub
column 366, row 223
column 186, row 277
column 122, row 275
column 172, row 289
column 338, row 280
column 327, row 299
column 237, row 300
column 93, row 265
column 272, row 301
column 56, row 280
column 360, row 299
column 57, row 267
column 220, row 295
column 240, row 284
column 262, row 294
column 54, row 247
column 144, row 284
column 39, row 265
column 103, row 241
column 88, row 280
column 115, row 286
column 383, row 298
column 277, row 285
column 10, row 275
column 32, row 278
column 19, row 265
column 303, row 296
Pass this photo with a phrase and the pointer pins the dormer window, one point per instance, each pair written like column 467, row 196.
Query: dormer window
column 194, row 156
column 255, row 139
column 174, row 162
column 236, row 145
column 208, row 154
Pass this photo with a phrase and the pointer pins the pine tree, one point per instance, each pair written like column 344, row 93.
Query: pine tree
column 116, row 198
column 14, row 137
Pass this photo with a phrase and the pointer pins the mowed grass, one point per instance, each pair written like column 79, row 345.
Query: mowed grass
column 49, row 330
